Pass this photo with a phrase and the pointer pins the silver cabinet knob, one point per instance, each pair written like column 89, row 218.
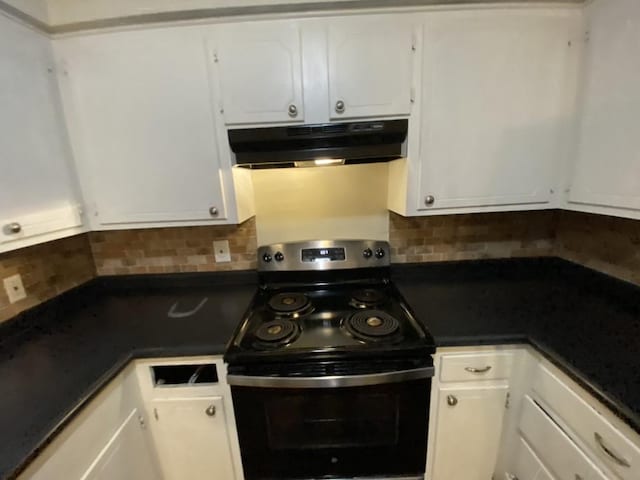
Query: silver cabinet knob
column 213, row 211
column 452, row 400
column 429, row 200
column 14, row 227
column 211, row 410
column 293, row 111
column 340, row 106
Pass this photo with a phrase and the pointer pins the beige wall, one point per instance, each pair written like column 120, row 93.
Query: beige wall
column 326, row 203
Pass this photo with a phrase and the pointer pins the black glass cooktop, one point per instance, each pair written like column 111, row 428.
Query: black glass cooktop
column 310, row 323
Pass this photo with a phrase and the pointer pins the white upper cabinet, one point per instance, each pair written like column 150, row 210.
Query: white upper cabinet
column 315, row 70
column 140, row 110
column 371, row 63
column 495, row 100
column 607, row 170
column 259, row 74
column 39, row 198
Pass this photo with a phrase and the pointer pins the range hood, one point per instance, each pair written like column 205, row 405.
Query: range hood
column 316, row 145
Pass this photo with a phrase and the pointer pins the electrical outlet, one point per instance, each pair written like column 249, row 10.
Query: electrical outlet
column 14, row 288
column 221, row 251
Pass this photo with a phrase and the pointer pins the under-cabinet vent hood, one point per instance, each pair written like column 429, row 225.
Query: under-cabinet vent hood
column 316, row 145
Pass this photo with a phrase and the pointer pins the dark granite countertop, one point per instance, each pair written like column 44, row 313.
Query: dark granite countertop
column 585, row 322
column 57, row 356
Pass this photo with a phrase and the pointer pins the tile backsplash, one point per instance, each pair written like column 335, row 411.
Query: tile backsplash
column 47, row 270
column 473, row 236
column 170, row 250
column 608, row 244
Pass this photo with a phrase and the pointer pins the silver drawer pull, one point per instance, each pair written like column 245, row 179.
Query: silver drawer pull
column 211, row 411
column 452, row 400
column 610, row 453
column 478, row 370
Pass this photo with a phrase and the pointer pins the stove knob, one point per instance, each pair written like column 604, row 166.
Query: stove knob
column 266, row 257
column 379, row 253
column 367, row 253
column 278, row 256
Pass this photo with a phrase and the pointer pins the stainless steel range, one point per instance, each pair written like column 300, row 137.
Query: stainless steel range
column 330, row 372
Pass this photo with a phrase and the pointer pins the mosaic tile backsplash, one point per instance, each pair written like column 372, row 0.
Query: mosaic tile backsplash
column 170, row 250
column 473, row 236
column 47, row 270
column 607, row 244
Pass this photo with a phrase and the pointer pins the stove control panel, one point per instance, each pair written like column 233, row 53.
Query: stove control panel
column 323, row 255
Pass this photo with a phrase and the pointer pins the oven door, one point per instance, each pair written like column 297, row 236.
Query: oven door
column 337, row 427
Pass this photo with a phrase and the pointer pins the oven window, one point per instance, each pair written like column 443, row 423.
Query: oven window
column 367, row 420
column 375, row 431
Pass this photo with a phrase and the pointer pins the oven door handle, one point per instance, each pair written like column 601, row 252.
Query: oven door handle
column 330, row 381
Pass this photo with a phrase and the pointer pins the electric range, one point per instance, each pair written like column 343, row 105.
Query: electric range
column 330, row 371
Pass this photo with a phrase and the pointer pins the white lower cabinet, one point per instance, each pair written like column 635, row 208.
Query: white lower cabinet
column 108, row 440
column 191, row 419
column 551, row 434
column 468, row 403
column 563, row 457
column 192, row 439
column 126, row 456
column 150, row 424
column 526, row 464
column 468, row 429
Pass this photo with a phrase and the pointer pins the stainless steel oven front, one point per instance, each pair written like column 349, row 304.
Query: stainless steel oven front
column 371, row 425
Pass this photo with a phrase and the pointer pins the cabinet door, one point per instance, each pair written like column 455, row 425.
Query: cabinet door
column 260, row 72
column 127, row 455
column 494, row 119
column 141, row 112
column 37, row 184
column 371, row 66
column 468, row 429
column 525, row 465
column 607, row 170
column 192, row 438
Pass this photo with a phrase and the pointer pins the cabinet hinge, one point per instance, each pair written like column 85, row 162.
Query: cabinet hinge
column 413, row 42
column 412, row 95
column 141, row 421
column 507, row 401
column 155, row 414
column 215, row 57
column 587, row 36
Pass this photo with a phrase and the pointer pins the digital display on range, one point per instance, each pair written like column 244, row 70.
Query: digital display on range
column 323, row 254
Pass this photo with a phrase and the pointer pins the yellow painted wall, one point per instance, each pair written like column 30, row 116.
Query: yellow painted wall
column 321, row 203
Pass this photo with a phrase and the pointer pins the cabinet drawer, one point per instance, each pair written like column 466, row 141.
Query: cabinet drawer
column 610, row 445
column 527, row 465
column 553, row 447
column 475, row 366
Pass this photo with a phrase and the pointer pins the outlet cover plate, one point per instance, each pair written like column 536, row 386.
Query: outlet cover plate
column 221, row 251
column 14, row 288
